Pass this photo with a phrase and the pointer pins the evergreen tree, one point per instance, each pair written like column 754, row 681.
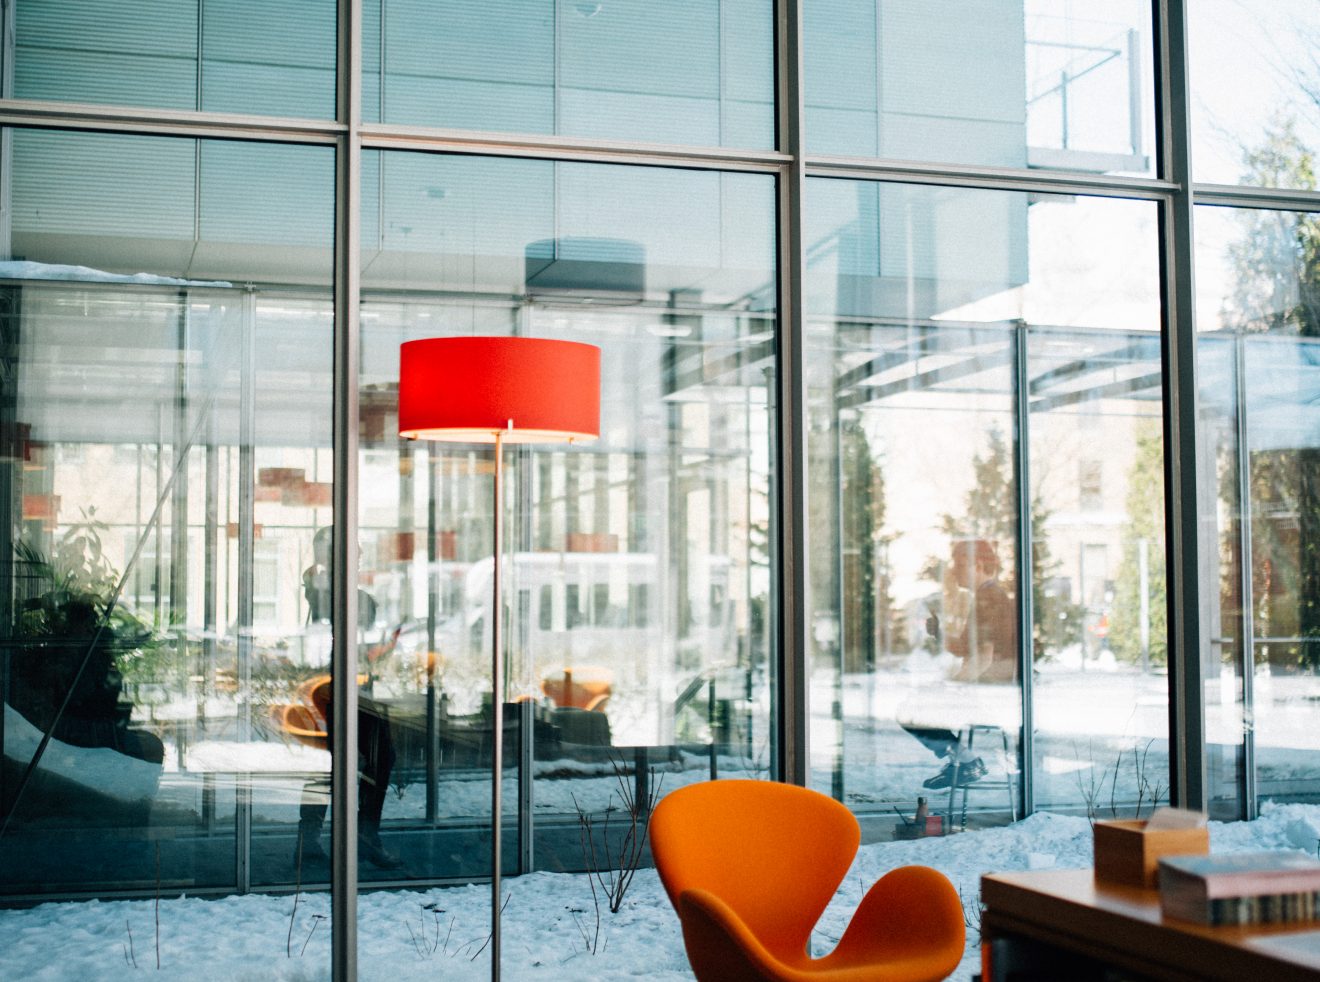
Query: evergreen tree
column 991, row 513
column 866, row 601
column 1277, row 291
column 1144, row 530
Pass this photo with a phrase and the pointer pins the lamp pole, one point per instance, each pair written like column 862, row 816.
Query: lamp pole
column 469, row 390
column 497, row 712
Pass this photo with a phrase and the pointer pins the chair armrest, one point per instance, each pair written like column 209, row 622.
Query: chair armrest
column 911, row 914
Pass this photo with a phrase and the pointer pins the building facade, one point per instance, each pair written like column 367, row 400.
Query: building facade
column 880, row 288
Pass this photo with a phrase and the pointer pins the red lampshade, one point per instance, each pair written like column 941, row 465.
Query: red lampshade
column 529, row 390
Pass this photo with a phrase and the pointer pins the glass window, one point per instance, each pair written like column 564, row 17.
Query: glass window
column 166, row 463
column 1032, row 84
column 1257, row 358
column 695, row 71
column 914, row 339
column 1255, row 80
column 546, row 608
column 233, row 56
column 1090, row 484
column 651, row 539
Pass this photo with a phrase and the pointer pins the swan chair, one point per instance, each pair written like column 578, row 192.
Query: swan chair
column 750, row 867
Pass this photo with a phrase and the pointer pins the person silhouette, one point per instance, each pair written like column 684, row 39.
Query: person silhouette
column 986, row 645
column 376, row 754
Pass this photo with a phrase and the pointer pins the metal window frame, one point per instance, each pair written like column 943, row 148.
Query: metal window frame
column 1187, row 765
column 791, row 164
column 344, row 498
column 790, row 692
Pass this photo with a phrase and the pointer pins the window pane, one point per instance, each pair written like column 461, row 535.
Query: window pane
column 695, row 71
column 1255, row 82
column 641, row 558
column 1257, row 367
column 1101, row 681
column 237, row 56
column 167, row 459
column 1028, row 85
column 914, row 339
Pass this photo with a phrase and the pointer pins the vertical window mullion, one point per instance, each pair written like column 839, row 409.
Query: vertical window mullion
column 344, row 565
column 1187, row 759
column 1025, row 566
column 790, row 690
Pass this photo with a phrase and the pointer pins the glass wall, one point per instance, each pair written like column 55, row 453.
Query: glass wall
column 924, row 349
column 963, row 413
column 1059, row 86
column 167, row 458
column 1256, row 122
column 1258, row 358
column 1094, row 392
column 1254, row 111
column 694, row 71
column 227, row 56
column 637, row 567
column 171, row 493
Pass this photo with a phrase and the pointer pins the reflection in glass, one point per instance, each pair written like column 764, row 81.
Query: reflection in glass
column 1259, row 365
column 1100, row 689
column 1254, row 111
column 167, row 460
column 637, row 577
column 690, row 72
column 1009, row 85
column 231, row 56
column 914, row 344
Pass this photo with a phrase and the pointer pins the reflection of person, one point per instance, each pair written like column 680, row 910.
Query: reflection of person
column 375, row 744
column 316, row 584
column 986, row 643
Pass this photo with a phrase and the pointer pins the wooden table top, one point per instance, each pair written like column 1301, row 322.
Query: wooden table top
column 1123, row 925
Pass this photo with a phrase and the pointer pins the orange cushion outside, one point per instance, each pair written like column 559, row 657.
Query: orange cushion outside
column 299, row 722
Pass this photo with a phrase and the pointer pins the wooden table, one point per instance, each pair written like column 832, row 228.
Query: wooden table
column 1062, row 924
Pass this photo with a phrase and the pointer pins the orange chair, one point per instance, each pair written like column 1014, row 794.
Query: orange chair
column 750, row 867
column 305, row 719
column 586, row 687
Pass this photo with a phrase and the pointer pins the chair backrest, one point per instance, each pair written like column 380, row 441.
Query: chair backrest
column 301, row 723
column 775, row 853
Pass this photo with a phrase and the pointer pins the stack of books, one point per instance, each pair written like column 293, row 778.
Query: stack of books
column 1241, row 888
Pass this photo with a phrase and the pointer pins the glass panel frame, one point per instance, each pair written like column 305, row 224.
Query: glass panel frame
column 636, row 572
column 1051, row 90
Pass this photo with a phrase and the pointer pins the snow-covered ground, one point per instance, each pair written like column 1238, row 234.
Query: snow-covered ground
column 438, row 933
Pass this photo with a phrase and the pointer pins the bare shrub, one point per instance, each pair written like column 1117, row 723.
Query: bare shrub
column 612, row 865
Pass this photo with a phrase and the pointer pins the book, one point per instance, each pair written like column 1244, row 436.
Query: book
column 1241, row 888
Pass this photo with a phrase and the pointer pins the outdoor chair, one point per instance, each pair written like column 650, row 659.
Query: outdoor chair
column 751, row 865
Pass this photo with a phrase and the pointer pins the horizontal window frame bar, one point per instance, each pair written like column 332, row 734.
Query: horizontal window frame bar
column 991, row 178
column 1276, row 199
column 378, row 136
column 147, row 121
column 143, row 121
column 165, row 122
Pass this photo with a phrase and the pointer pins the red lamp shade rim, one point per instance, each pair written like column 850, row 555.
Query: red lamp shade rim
column 515, row 389
column 514, row 435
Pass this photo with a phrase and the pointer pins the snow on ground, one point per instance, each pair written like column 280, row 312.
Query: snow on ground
column 437, row 933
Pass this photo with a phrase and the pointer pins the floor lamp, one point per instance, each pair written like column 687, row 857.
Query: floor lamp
column 498, row 390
